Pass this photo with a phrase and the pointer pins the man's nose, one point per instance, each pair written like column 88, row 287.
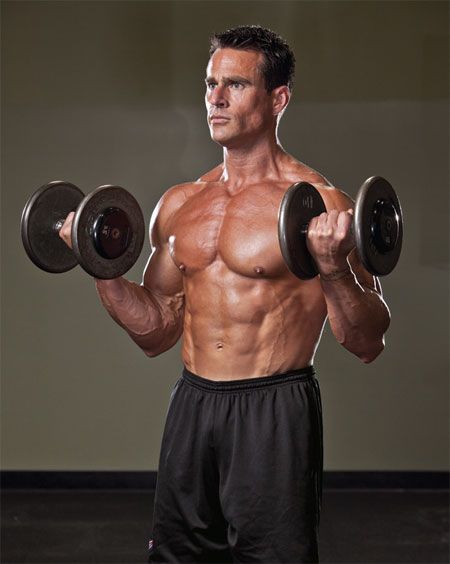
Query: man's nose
column 218, row 98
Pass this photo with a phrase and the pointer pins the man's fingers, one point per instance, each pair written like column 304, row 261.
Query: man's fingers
column 332, row 217
column 343, row 221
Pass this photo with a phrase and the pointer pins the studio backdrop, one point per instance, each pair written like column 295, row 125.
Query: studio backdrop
column 111, row 92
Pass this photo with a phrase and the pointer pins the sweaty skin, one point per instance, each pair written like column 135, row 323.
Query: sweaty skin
column 245, row 313
column 216, row 274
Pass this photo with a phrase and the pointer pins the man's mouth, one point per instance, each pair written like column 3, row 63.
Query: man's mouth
column 218, row 119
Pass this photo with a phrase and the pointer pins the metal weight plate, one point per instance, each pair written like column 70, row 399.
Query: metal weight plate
column 300, row 204
column 108, row 232
column 42, row 215
column 378, row 226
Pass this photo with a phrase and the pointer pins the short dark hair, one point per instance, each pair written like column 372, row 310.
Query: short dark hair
column 279, row 61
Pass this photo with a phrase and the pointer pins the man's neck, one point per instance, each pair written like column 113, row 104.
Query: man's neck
column 256, row 163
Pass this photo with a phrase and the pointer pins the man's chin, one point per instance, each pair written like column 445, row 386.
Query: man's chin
column 219, row 140
column 222, row 140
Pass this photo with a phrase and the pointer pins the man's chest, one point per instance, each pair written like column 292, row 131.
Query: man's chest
column 240, row 230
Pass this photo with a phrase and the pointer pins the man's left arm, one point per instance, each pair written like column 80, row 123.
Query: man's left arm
column 357, row 313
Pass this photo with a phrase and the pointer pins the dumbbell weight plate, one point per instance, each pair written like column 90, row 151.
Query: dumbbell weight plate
column 49, row 205
column 108, row 232
column 300, row 204
column 378, row 226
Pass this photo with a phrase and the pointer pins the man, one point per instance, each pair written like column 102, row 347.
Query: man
column 240, row 473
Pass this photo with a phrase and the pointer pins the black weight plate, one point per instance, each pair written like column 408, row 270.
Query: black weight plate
column 378, row 226
column 299, row 205
column 91, row 248
column 48, row 205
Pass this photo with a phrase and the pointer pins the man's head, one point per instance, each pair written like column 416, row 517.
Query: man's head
column 278, row 63
column 249, row 80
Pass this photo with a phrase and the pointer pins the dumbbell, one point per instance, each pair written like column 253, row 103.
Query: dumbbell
column 108, row 229
column 377, row 226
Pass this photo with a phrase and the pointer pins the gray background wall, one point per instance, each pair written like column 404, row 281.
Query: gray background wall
column 111, row 92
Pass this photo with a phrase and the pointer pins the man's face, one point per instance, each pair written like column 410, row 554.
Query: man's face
column 239, row 106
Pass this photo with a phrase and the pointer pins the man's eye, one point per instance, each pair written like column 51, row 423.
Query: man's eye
column 210, row 85
column 236, row 85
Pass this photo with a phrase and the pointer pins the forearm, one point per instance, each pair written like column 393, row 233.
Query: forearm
column 358, row 315
column 154, row 323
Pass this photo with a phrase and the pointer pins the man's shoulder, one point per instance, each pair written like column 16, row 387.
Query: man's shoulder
column 168, row 204
column 334, row 197
column 176, row 195
column 173, row 199
column 297, row 171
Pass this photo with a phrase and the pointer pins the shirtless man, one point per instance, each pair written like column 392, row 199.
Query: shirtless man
column 240, row 473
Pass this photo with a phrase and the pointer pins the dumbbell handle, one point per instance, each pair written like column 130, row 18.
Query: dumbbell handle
column 58, row 225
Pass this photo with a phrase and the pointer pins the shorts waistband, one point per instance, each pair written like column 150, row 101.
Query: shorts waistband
column 259, row 382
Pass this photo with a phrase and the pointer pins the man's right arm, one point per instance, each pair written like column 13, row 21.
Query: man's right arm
column 151, row 313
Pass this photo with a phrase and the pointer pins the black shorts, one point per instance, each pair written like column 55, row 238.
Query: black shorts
column 240, row 471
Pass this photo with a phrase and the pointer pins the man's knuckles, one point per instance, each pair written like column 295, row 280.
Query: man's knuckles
column 331, row 229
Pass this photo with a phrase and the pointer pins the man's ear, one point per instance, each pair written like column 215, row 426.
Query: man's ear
column 280, row 99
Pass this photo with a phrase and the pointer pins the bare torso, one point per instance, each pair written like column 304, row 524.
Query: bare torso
column 216, row 274
column 245, row 314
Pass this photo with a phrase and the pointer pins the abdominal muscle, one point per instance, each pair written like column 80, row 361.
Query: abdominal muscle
column 239, row 327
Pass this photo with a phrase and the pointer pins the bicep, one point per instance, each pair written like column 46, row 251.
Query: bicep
column 161, row 275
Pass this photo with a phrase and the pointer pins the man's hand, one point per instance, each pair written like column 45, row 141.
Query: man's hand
column 330, row 240
column 66, row 230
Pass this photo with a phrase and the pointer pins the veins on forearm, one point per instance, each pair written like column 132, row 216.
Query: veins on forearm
column 358, row 315
column 139, row 311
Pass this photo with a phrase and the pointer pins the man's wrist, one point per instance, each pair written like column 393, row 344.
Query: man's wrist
column 336, row 274
column 332, row 268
